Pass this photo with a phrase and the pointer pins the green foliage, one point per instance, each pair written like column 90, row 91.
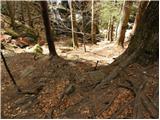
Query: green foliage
column 38, row 49
column 109, row 8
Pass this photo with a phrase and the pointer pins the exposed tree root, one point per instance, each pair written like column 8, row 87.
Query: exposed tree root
column 118, row 68
column 114, row 116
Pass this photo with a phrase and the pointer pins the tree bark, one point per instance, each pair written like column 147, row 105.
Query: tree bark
column 93, row 26
column 141, row 8
column 144, row 45
column 73, row 25
column 124, row 22
column 46, row 22
column 112, row 28
column 147, row 35
column 109, row 29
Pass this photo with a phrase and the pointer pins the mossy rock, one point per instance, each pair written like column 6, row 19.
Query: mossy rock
column 11, row 33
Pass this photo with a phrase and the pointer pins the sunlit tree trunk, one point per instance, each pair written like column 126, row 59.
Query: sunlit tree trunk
column 46, row 22
column 123, row 22
column 111, row 28
column 73, row 25
column 141, row 8
column 93, row 26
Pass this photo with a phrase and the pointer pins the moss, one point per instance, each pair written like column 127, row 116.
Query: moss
column 11, row 33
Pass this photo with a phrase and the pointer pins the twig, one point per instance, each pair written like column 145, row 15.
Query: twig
column 95, row 68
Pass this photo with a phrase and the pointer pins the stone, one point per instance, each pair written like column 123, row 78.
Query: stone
column 97, row 75
column 26, row 71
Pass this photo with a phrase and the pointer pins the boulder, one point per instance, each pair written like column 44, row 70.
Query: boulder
column 5, row 38
column 23, row 42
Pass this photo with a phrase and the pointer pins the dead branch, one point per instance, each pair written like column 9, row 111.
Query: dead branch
column 9, row 72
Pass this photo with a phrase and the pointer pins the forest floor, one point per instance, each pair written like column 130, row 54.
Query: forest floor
column 65, row 87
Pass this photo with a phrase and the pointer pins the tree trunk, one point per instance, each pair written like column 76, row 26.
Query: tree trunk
column 29, row 14
column 146, row 36
column 73, row 25
column 46, row 22
column 124, row 22
column 11, row 10
column 93, row 26
column 144, row 45
column 22, row 13
column 141, row 8
column 111, row 28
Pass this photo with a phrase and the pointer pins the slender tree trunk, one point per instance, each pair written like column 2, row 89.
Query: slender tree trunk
column 112, row 28
column 82, row 30
column 11, row 10
column 141, row 8
column 109, row 29
column 124, row 21
column 9, row 72
column 46, row 22
column 73, row 25
column 93, row 29
column 106, row 33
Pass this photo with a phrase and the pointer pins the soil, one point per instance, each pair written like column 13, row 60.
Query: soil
column 65, row 86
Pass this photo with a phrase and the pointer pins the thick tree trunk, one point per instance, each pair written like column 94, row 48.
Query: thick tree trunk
column 46, row 22
column 146, row 36
column 141, row 8
column 73, row 25
column 144, row 45
column 124, row 22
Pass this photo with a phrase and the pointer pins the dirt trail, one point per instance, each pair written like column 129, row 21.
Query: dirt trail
column 64, row 87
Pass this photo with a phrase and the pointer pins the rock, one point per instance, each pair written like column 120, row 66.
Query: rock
column 97, row 75
column 5, row 38
column 41, row 42
column 73, row 57
column 70, row 89
column 23, row 42
column 11, row 32
column 26, row 71
column 72, row 64
column 25, row 100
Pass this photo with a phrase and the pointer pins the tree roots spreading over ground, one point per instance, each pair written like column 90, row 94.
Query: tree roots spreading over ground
column 61, row 88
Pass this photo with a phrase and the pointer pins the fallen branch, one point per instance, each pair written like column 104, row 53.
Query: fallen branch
column 9, row 72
